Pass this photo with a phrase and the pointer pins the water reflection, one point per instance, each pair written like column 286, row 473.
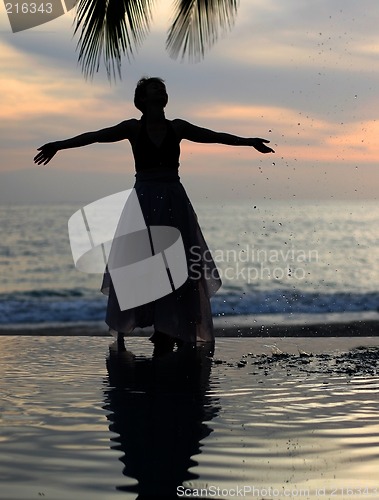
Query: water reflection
column 158, row 409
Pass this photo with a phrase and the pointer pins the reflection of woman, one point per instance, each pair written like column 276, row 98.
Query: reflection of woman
column 185, row 314
column 158, row 409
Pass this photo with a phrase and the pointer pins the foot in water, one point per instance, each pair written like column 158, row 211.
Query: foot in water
column 163, row 343
column 120, row 342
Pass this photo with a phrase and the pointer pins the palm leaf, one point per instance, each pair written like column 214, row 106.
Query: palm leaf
column 197, row 24
column 110, row 29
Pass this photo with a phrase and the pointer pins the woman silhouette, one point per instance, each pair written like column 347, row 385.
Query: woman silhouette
column 185, row 314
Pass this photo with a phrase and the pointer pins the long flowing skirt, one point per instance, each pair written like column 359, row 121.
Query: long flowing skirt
column 185, row 313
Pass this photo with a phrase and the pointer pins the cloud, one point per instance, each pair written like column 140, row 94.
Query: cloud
column 55, row 185
column 303, row 70
column 358, row 142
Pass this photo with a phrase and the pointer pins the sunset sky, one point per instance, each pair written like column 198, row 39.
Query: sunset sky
column 303, row 74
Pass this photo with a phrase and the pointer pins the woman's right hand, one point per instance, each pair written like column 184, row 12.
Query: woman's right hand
column 47, row 151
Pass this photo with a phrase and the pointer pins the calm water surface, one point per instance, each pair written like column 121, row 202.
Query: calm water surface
column 79, row 420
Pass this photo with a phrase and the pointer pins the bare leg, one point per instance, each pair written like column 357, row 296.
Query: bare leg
column 120, row 342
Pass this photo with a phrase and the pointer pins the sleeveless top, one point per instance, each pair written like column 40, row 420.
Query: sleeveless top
column 147, row 155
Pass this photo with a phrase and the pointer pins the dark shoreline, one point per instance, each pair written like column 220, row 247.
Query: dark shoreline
column 368, row 328
column 364, row 328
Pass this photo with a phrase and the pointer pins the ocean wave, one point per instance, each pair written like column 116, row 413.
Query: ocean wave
column 82, row 305
column 42, row 309
column 293, row 301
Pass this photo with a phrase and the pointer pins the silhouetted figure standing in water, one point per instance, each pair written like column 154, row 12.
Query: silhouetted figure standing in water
column 185, row 314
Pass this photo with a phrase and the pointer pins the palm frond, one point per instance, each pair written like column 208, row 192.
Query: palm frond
column 109, row 30
column 197, row 25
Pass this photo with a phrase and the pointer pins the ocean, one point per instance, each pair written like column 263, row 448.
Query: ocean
column 274, row 258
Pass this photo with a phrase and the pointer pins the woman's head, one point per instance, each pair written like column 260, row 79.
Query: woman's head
column 148, row 85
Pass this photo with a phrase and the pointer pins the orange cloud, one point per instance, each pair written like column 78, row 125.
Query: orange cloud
column 358, row 142
column 25, row 93
column 297, row 136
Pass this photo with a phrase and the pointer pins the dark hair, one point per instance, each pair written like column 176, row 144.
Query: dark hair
column 141, row 90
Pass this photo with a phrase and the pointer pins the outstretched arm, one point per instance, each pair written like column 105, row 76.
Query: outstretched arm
column 204, row 135
column 111, row 134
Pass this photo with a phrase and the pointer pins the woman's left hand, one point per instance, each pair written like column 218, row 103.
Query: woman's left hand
column 260, row 145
